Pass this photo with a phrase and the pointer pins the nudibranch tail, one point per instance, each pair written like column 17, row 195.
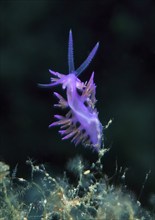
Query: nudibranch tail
column 81, row 122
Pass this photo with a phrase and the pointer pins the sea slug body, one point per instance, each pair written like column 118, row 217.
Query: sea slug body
column 81, row 123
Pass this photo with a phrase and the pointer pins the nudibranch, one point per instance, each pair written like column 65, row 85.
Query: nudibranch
column 81, row 122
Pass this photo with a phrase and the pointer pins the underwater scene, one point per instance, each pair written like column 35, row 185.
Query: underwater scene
column 77, row 114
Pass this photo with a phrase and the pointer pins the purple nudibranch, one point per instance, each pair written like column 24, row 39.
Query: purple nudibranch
column 81, row 123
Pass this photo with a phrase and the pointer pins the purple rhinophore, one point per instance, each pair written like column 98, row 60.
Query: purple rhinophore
column 81, row 123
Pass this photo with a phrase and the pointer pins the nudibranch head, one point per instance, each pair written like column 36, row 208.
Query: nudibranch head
column 81, row 122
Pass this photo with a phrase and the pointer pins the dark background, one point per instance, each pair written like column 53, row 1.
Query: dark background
column 34, row 38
